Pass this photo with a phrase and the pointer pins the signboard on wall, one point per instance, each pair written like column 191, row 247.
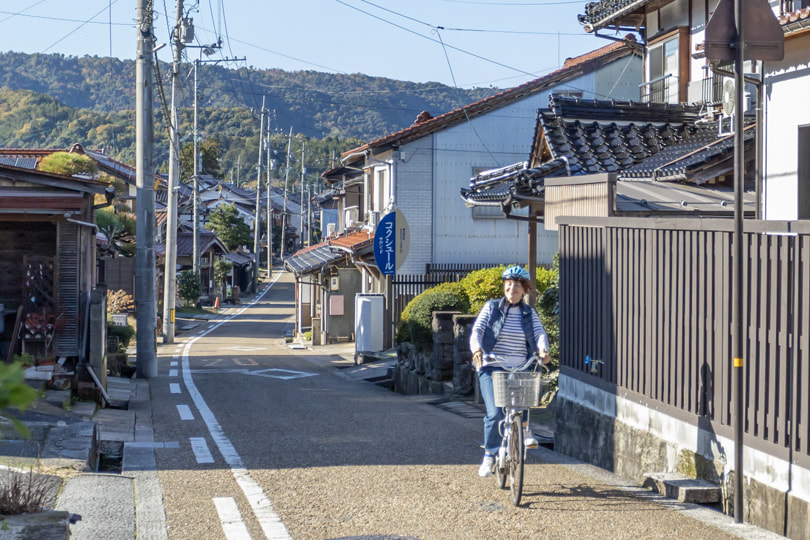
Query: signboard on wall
column 391, row 242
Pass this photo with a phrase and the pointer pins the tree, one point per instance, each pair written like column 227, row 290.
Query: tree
column 68, row 164
column 229, row 227
column 210, row 149
column 188, row 286
column 221, row 271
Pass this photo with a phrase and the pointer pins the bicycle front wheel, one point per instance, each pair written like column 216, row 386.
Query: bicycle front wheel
column 516, row 454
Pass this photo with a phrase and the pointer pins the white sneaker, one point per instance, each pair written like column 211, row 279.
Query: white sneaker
column 486, row 466
column 528, row 439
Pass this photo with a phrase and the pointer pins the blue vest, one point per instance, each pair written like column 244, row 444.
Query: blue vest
column 496, row 320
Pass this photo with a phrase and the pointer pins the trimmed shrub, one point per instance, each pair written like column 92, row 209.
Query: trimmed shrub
column 123, row 333
column 416, row 322
column 486, row 284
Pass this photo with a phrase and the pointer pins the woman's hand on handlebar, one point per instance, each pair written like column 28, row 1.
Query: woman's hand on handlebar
column 478, row 359
column 544, row 356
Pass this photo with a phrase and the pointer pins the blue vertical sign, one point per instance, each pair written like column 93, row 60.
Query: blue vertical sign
column 391, row 242
column 385, row 244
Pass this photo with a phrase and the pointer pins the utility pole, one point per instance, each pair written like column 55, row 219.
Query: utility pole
column 301, row 210
column 170, row 263
column 206, row 50
column 286, row 183
column 258, row 207
column 196, row 190
column 269, row 208
column 146, row 340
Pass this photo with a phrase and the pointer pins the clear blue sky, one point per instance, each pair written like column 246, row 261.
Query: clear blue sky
column 486, row 43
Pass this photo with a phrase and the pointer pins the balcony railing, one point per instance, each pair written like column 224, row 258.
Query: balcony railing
column 660, row 90
column 708, row 91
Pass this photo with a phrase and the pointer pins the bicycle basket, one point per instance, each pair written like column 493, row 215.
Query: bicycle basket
column 519, row 389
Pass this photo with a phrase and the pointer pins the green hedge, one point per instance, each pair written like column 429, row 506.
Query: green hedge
column 416, row 321
column 469, row 295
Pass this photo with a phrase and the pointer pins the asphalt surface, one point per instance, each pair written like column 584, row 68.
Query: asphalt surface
column 250, row 438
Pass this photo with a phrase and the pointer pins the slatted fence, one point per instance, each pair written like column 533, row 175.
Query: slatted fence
column 651, row 298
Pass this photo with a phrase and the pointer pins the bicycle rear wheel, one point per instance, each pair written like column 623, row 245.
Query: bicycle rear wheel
column 516, row 460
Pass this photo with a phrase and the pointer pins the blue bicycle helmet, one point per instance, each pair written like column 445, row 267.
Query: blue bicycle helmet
column 515, row 272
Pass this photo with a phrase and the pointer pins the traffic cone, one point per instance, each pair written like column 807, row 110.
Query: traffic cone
column 216, row 302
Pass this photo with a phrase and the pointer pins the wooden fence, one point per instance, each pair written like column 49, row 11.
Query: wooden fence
column 651, row 299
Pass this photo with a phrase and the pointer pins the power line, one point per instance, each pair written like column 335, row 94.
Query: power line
column 79, row 27
column 433, row 40
column 520, row 4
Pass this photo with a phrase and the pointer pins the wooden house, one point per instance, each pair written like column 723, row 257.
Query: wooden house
column 47, row 261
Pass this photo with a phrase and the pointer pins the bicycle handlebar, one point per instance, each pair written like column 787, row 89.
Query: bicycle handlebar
column 535, row 358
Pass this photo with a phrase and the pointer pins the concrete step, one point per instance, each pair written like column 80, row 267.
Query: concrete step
column 684, row 489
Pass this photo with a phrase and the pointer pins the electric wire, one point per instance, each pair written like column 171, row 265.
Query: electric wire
column 464, row 109
column 11, row 15
column 58, row 41
column 495, row 62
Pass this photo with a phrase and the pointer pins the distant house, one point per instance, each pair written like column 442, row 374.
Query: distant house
column 211, row 249
column 326, row 282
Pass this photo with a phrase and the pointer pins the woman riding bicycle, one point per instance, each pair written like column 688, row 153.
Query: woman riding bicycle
column 510, row 329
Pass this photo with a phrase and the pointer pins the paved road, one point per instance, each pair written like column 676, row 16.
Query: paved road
column 275, row 443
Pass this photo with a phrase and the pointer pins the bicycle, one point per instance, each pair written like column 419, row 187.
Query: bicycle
column 515, row 390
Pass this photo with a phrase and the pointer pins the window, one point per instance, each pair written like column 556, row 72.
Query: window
column 662, row 83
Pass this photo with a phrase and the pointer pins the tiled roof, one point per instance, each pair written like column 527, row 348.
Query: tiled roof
column 185, row 243
column 311, row 258
column 572, row 68
column 642, row 141
column 639, row 141
column 500, row 186
column 795, row 20
column 105, row 163
column 605, row 12
column 352, row 241
column 314, row 257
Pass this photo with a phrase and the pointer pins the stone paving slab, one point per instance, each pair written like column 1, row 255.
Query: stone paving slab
column 106, row 503
column 115, row 425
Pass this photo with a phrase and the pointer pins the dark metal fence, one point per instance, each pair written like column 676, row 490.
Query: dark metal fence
column 651, row 299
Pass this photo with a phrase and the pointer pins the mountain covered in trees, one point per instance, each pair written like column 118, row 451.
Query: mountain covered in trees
column 52, row 100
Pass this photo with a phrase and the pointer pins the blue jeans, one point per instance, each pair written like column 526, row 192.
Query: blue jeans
column 492, row 435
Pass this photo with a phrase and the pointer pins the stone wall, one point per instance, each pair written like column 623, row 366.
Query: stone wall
column 444, row 370
column 631, row 440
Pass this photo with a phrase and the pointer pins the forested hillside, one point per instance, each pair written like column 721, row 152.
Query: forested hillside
column 52, row 100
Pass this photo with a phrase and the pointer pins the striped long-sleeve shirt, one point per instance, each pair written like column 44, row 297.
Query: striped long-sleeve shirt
column 511, row 343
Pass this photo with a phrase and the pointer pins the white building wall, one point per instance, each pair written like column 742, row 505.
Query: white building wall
column 413, row 179
column 786, row 108
column 494, row 140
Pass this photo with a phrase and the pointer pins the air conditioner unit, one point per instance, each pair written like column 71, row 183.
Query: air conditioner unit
column 330, row 230
column 350, row 216
column 374, row 219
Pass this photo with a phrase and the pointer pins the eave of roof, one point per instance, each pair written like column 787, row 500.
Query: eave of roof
column 600, row 14
column 572, row 68
column 795, row 22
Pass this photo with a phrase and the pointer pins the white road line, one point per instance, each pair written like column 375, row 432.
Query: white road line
column 174, row 387
column 175, row 357
column 271, row 524
column 200, row 448
column 232, row 524
column 172, row 364
column 172, row 373
column 185, row 412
